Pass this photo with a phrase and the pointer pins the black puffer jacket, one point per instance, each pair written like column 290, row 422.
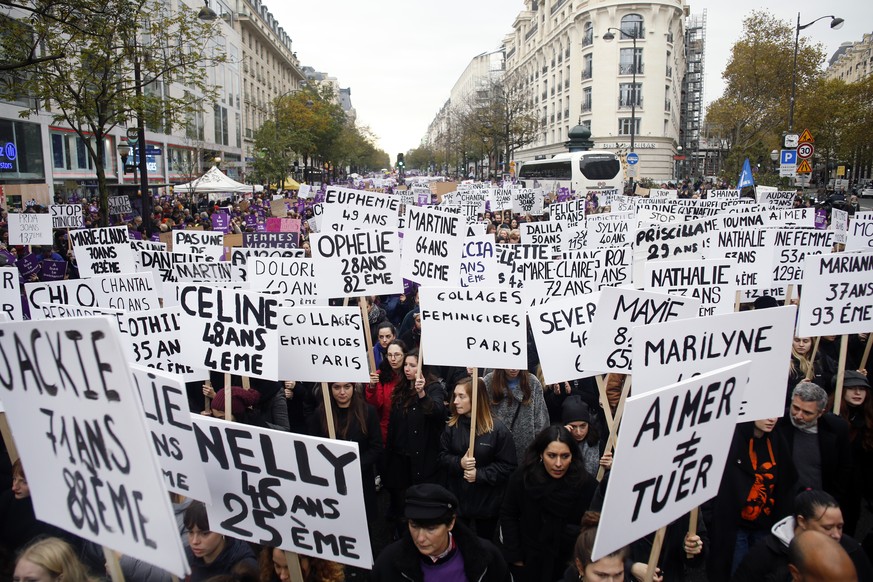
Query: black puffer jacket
column 495, row 461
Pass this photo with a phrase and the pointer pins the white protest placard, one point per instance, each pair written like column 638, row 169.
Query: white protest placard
column 67, row 216
column 680, row 240
column 837, row 295
column 749, row 248
column 560, row 330
column 347, row 209
column 120, row 205
column 499, row 199
column 356, row 263
column 863, row 215
column 103, row 251
column 794, row 217
column 713, row 281
column 607, row 230
column 230, row 331
column 292, row 280
column 161, row 264
column 840, row 225
column 621, row 310
column 859, row 236
column 571, row 213
column 731, row 194
column 667, row 464
column 239, row 257
column 318, row 344
column 670, row 352
column 479, row 266
column 10, row 293
column 59, row 310
column 472, row 203
column 81, row 433
column 202, row 271
column 165, row 403
column 547, row 232
column 305, row 191
column 146, row 245
column 432, row 246
column 581, row 273
column 154, row 338
column 527, row 201
column 474, row 326
column 663, row 194
column 134, row 292
column 776, row 199
column 299, row 493
column 199, row 242
column 790, row 247
column 30, row 229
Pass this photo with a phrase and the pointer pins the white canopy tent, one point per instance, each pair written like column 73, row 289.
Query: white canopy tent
column 215, row 181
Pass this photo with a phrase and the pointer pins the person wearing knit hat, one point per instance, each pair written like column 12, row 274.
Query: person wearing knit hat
column 240, row 401
column 576, row 418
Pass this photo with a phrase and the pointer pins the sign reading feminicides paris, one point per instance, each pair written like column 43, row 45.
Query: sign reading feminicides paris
column 80, row 429
column 670, row 456
column 467, row 326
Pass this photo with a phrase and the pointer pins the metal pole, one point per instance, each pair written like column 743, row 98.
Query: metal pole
column 634, row 93
column 793, row 77
column 145, row 195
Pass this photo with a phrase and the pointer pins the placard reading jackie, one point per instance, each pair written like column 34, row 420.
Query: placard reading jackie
column 165, row 402
column 298, row 493
column 81, row 433
column 230, row 331
column 479, row 326
column 560, row 330
column 67, row 216
column 669, row 352
column 318, row 344
column 356, row 263
column 103, row 251
column 126, row 292
column 432, row 246
column 155, row 342
column 618, row 312
column 837, row 295
column 670, row 456
column 199, row 242
column 10, row 294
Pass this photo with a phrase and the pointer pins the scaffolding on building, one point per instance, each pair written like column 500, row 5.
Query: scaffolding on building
column 692, row 94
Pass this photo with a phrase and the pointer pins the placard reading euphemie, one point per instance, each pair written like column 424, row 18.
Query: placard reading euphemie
column 79, row 428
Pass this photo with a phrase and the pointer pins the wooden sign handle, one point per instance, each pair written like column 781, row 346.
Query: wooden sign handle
column 841, row 370
column 692, row 525
column 367, row 336
column 602, row 382
column 655, row 554
column 866, row 353
column 328, row 410
column 113, row 565
column 474, row 393
column 293, row 561
column 613, row 433
column 227, row 398
column 6, row 433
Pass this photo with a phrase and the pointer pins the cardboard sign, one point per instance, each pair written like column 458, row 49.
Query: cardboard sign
column 666, row 464
column 347, row 209
column 713, row 281
column 583, row 273
column 527, row 201
column 837, row 295
column 103, row 251
column 291, row 280
column 479, row 267
column 230, row 331
column 10, row 294
column 199, row 242
column 748, row 248
column 356, row 263
column 791, row 246
column 499, row 199
column 840, row 225
column 154, row 339
column 663, row 194
column 481, row 326
column 67, row 216
column 81, row 434
column 670, row 352
column 119, row 205
column 30, row 229
column 621, row 310
column 165, row 403
column 320, row 344
column 125, row 292
column 560, row 330
column 731, row 194
column 432, row 246
column 860, row 236
column 298, row 493
column 606, row 230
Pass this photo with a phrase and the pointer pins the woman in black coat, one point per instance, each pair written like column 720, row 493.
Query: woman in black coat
column 543, row 507
column 478, row 481
column 353, row 420
column 756, row 491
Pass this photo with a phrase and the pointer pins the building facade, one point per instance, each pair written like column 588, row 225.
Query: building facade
column 853, row 61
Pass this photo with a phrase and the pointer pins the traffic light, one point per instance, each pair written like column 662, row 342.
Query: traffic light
column 400, row 162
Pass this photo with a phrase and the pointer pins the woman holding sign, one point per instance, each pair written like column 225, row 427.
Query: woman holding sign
column 517, row 399
column 477, row 481
column 384, row 382
column 417, row 418
column 804, row 368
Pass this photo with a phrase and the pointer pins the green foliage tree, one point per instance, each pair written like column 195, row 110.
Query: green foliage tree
column 92, row 88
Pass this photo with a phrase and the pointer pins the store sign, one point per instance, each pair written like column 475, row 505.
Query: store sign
column 8, row 155
column 646, row 145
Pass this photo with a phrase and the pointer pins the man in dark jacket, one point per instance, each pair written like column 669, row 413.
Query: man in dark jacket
column 438, row 546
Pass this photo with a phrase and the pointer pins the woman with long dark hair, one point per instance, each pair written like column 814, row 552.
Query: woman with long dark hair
column 517, row 399
column 543, row 506
column 477, row 481
column 383, row 382
column 857, row 409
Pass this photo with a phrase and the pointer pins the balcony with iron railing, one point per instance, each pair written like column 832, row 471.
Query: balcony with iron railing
column 588, row 38
column 586, row 106
column 627, row 103
column 628, row 69
column 531, row 32
column 586, row 74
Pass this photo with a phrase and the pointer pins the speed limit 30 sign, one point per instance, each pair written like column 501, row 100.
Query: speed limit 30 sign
column 804, row 151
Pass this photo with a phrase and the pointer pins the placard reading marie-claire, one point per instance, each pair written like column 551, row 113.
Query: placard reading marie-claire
column 473, row 326
column 320, row 344
column 298, row 493
column 837, row 295
column 670, row 352
column 670, row 455
column 165, row 403
column 81, row 433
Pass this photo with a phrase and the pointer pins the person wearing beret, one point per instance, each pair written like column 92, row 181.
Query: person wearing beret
column 436, row 545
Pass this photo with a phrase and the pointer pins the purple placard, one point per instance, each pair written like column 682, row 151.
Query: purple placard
column 270, row 239
column 260, row 227
column 221, row 221
column 134, row 234
column 10, row 258
column 53, row 270
column 29, row 265
column 821, row 219
column 423, row 198
column 251, row 220
column 156, row 237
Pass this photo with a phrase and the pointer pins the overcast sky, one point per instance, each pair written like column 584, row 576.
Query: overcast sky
column 401, row 57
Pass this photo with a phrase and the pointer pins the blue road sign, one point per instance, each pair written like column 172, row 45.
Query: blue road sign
column 788, row 157
column 633, row 158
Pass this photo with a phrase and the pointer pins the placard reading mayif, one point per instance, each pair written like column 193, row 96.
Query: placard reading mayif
column 298, row 493
column 837, row 295
column 80, row 430
column 319, row 344
column 356, row 263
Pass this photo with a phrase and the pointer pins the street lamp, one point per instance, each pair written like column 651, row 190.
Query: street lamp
column 634, row 64
column 836, row 24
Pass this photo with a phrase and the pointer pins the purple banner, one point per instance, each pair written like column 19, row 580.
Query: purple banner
column 251, row 220
column 134, row 234
column 53, row 270
column 29, row 265
column 221, row 222
column 270, row 239
column 10, row 258
column 821, row 219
